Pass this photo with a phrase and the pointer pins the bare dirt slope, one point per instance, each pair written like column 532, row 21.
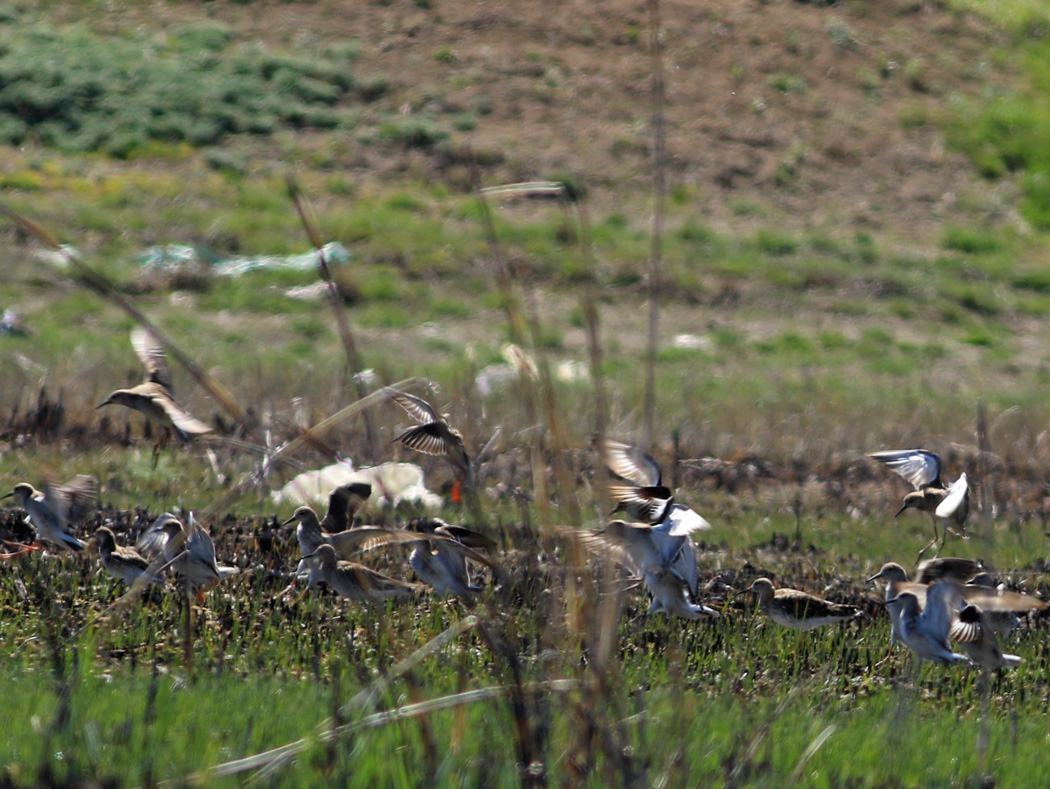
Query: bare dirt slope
column 824, row 113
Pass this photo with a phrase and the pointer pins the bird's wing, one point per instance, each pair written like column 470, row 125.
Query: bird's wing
column 433, row 438
column 918, row 466
column 996, row 600
column 948, row 568
column 365, row 538
column 645, row 504
column 343, row 504
column 943, row 602
column 956, row 502
column 625, row 544
column 416, row 407
column 200, row 544
column 468, row 537
column 151, row 354
column 72, row 500
column 969, row 625
column 182, row 419
column 684, row 521
column 456, row 547
column 152, row 542
column 629, row 462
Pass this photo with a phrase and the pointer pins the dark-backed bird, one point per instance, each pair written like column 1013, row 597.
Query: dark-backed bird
column 796, row 609
column 434, row 436
column 949, row 504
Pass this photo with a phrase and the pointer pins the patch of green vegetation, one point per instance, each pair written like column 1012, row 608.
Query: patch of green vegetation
column 79, row 91
column 972, row 241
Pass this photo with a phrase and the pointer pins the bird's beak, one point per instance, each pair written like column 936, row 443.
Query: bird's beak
column 875, row 577
column 290, row 521
column 902, row 509
column 7, row 495
column 107, row 402
column 307, row 556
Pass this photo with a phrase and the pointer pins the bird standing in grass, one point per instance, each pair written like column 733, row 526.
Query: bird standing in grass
column 53, row 510
column 124, row 563
column 947, row 503
column 357, row 582
column 796, row 609
column 155, row 396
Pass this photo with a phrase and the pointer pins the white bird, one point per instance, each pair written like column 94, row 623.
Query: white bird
column 925, row 632
column 647, row 501
column 52, row 510
column 634, row 546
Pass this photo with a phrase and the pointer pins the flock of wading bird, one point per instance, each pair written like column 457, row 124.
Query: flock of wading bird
column 950, row 600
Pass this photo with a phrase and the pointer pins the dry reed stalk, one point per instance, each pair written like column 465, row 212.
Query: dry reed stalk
column 518, row 330
column 353, row 357
column 659, row 190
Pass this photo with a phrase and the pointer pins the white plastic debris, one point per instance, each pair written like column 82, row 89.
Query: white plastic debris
column 173, row 257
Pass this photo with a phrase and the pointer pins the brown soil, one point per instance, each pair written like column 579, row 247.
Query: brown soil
column 775, row 110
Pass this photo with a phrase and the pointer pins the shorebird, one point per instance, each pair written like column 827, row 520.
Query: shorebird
column 52, row 510
column 799, row 610
column 975, row 635
column 991, row 600
column 947, row 503
column 440, row 560
column 924, row 630
column 155, row 396
column 434, row 436
column 124, row 563
column 188, row 549
column 357, row 582
column 646, row 500
column 634, row 546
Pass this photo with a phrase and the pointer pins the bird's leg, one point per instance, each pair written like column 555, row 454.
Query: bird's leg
column 161, row 442
column 931, row 543
column 22, row 549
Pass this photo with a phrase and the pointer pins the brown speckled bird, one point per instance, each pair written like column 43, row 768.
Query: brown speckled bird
column 796, row 609
column 155, row 397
